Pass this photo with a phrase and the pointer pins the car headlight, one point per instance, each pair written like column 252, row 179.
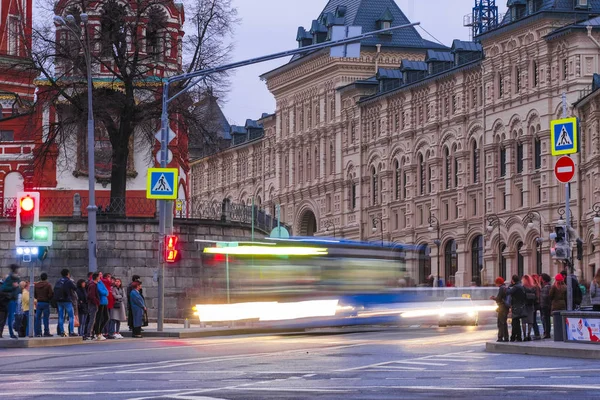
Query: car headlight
column 442, row 314
column 471, row 313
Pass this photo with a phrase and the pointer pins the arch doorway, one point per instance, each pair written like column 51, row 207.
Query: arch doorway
column 308, row 224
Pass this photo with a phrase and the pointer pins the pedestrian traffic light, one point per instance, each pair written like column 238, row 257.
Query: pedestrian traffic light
column 171, row 249
column 560, row 233
column 29, row 231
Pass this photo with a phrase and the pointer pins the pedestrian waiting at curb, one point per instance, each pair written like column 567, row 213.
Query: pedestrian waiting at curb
column 102, row 314
column 82, row 307
column 502, row 310
column 117, row 313
column 10, row 290
column 93, row 301
column 517, row 306
column 546, row 304
column 138, row 307
column 558, row 294
column 43, row 295
column 64, row 291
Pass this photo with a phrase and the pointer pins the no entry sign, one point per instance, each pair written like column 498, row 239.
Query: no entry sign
column 564, row 169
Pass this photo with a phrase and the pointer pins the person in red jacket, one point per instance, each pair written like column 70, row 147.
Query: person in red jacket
column 93, row 303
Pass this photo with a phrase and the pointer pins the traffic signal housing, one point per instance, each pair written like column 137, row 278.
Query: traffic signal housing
column 172, row 253
column 29, row 231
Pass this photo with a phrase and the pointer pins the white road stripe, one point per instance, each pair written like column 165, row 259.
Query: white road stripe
column 397, row 367
column 421, row 363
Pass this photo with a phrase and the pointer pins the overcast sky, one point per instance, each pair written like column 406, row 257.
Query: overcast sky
column 269, row 26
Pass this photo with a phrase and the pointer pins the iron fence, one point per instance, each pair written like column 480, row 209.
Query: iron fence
column 132, row 207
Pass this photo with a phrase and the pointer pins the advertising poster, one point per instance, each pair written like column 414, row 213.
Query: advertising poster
column 583, row 329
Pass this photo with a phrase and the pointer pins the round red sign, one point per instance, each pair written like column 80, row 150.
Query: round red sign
column 564, row 169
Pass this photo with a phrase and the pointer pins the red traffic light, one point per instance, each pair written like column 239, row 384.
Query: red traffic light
column 27, row 204
column 171, row 251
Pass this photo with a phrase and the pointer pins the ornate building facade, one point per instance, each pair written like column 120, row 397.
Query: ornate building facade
column 445, row 148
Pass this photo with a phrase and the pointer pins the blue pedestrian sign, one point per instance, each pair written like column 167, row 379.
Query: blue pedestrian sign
column 162, row 183
column 564, row 136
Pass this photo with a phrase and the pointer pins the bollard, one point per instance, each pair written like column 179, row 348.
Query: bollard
column 186, row 324
column 559, row 329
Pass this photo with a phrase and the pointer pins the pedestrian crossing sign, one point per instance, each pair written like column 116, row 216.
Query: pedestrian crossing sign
column 564, row 136
column 162, row 183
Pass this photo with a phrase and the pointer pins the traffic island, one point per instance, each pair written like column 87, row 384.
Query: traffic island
column 546, row 348
column 39, row 342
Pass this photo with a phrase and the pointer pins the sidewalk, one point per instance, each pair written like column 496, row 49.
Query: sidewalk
column 548, row 348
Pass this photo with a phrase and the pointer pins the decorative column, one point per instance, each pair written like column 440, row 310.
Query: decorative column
column 460, row 279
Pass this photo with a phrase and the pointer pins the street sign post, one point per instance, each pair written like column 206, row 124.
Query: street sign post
column 162, row 183
column 564, row 136
column 564, row 170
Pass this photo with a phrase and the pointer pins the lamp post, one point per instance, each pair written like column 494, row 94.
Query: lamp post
column 494, row 219
column 380, row 221
column 329, row 224
column 70, row 23
column 539, row 240
column 434, row 223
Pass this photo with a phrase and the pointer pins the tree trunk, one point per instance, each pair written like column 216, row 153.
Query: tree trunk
column 118, row 176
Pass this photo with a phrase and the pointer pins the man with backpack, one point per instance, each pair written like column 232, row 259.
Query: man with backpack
column 63, row 293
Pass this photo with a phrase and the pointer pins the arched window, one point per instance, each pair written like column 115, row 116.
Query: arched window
column 455, row 166
column 450, row 261
column 520, row 260
column 422, row 176
column 317, row 162
column 502, row 271
column 155, row 34
column 519, row 157
column 286, row 170
column 477, row 259
column 537, row 145
column 331, row 158
column 300, row 168
column 502, row 161
column 374, row 189
column 397, row 182
column 475, row 158
column 447, row 169
column 308, row 166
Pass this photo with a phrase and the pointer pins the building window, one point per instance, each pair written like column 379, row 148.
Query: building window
column 504, row 200
column 475, row 206
column 422, row 177
column 331, row 158
column 424, row 263
column 7, row 136
column 448, row 168
column 396, row 122
column 374, row 188
column 354, row 187
column 539, row 194
column 446, row 106
column 404, row 184
column 520, row 260
column 473, row 97
column 565, row 69
column 477, row 259
column 450, row 261
column 519, row 158
column 502, row 161
column 397, row 182
column 475, row 163
column 454, row 103
column 537, row 144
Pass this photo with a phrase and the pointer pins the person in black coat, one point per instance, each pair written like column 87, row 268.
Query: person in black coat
column 502, row 310
column 518, row 299
column 82, row 306
column 134, row 279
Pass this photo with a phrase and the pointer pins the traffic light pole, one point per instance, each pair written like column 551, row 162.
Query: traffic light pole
column 569, row 263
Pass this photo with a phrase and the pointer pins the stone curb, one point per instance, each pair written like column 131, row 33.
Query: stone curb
column 547, row 349
column 22, row 343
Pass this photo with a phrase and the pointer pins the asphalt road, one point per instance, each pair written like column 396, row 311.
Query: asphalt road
column 402, row 363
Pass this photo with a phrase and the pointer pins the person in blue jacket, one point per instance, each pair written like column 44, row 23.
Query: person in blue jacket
column 138, row 306
column 102, row 315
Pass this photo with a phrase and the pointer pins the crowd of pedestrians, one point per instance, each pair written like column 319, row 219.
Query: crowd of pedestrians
column 524, row 298
column 96, row 306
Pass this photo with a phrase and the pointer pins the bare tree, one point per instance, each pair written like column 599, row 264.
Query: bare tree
column 132, row 45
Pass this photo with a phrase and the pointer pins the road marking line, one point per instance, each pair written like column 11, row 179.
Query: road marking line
column 420, row 363
column 393, row 367
column 449, row 359
column 509, row 377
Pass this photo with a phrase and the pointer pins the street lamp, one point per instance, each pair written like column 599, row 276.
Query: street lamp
column 329, row 224
column 433, row 220
column 494, row 219
column 539, row 240
column 375, row 221
column 76, row 30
